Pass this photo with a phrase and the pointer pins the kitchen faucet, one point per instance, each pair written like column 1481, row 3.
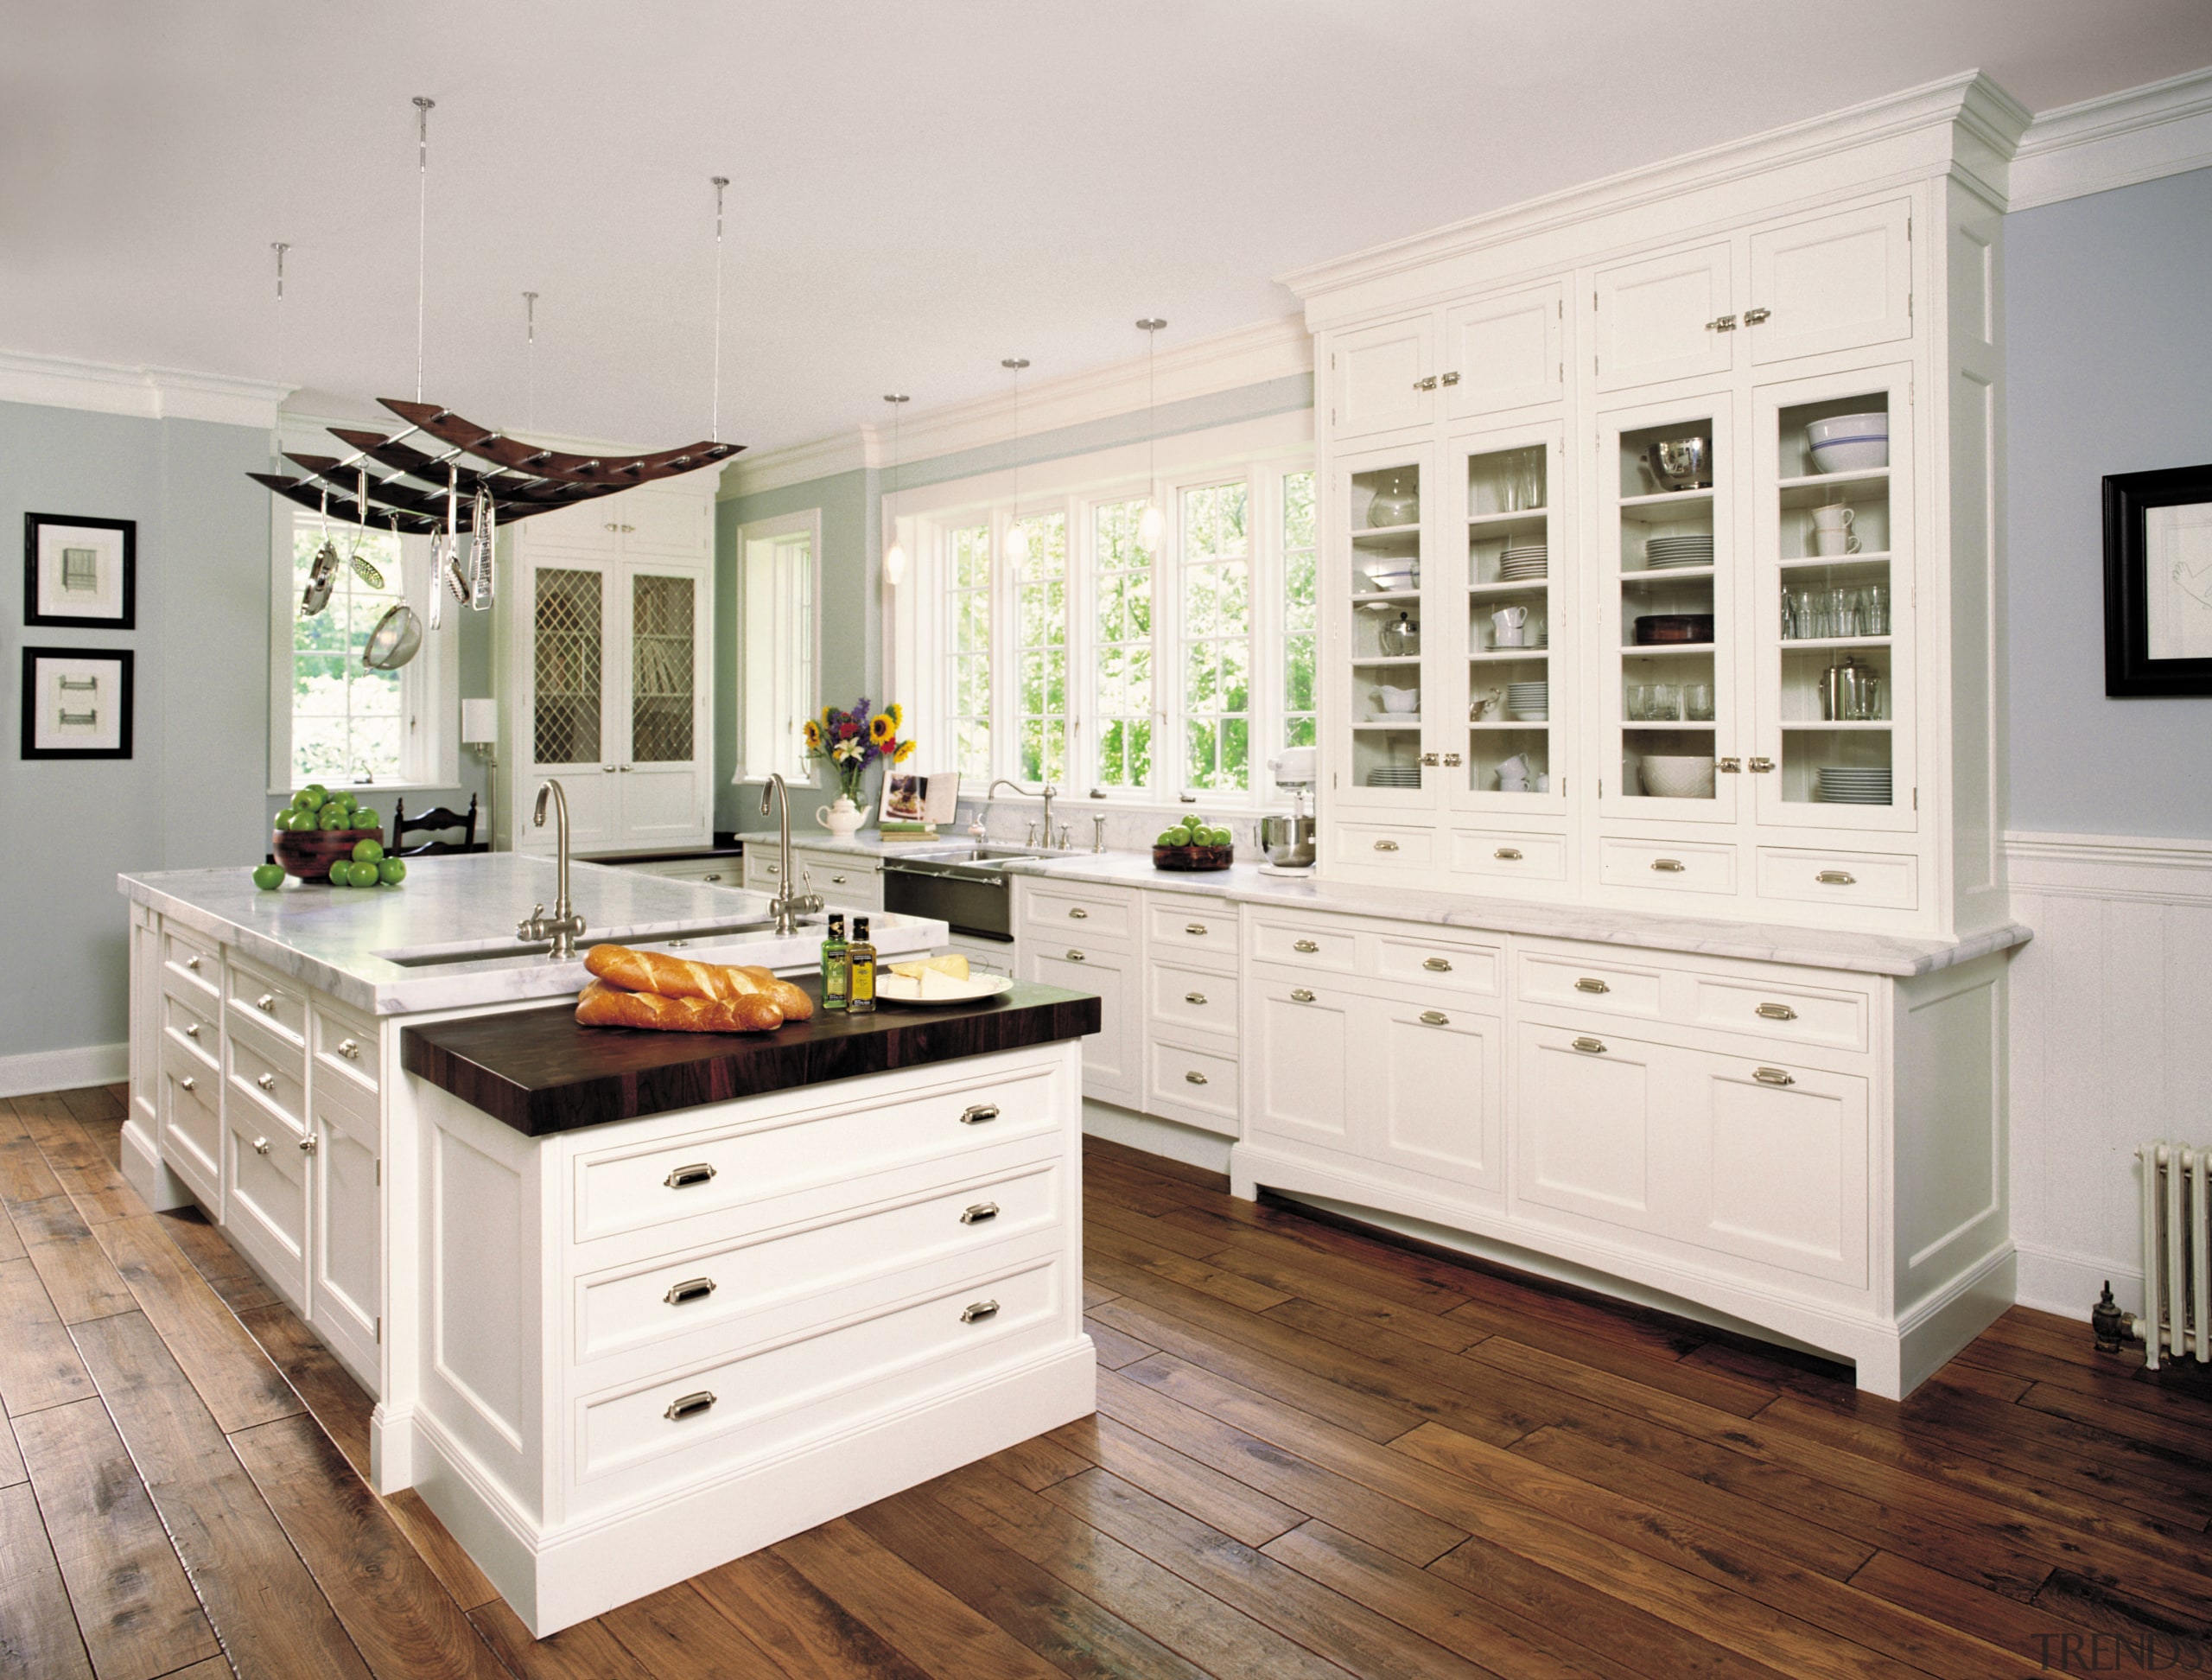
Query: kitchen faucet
column 980, row 828
column 566, row 926
column 789, row 904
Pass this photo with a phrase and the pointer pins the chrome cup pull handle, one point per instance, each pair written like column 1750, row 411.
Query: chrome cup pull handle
column 1434, row 1018
column 1197, row 930
column 266, row 1002
column 1075, row 957
column 1772, row 1076
column 684, row 1177
column 689, row 1406
column 979, row 1113
column 980, row 1213
column 1076, row 913
column 1775, row 1012
column 692, row 1289
column 1437, row 965
column 1193, row 1077
column 1194, row 998
column 1590, row 1046
column 1507, row 853
column 1594, row 987
column 1667, row 865
column 975, row 1310
column 1302, row 995
column 1836, row 878
column 1306, row 947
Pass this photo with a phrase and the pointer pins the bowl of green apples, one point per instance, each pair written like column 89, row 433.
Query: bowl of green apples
column 1194, row 844
column 331, row 837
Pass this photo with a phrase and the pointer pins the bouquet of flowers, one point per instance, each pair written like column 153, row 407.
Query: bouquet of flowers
column 851, row 741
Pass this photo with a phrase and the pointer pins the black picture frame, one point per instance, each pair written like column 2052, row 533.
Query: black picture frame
column 2130, row 671
column 120, row 657
column 33, row 523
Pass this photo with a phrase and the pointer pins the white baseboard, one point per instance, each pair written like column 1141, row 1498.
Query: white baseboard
column 64, row 1070
column 1187, row 1144
column 2052, row 1280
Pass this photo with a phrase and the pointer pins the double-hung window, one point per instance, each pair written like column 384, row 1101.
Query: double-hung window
column 1122, row 708
column 968, row 650
column 1216, row 593
column 1301, row 582
column 1041, row 621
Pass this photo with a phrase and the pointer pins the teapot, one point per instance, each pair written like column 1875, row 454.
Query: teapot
column 1400, row 639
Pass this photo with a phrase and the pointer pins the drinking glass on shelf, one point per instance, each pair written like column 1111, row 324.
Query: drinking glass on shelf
column 1666, row 703
column 1639, row 702
column 1844, row 603
column 1878, row 609
column 1697, row 702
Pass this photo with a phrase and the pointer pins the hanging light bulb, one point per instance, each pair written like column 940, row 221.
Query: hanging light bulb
column 1017, row 537
column 1152, row 522
column 894, row 557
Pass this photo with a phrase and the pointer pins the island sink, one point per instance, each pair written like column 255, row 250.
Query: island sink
column 492, row 950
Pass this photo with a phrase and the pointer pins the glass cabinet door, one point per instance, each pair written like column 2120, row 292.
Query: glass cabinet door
column 568, row 613
column 1516, row 636
column 1667, row 629
column 1388, row 758
column 1832, row 630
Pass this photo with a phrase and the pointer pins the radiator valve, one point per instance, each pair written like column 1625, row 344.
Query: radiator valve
column 2112, row 1325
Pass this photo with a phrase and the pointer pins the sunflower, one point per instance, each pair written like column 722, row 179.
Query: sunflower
column 905, row 751
column 897, row 713
column 813, row 736
column 881, row 728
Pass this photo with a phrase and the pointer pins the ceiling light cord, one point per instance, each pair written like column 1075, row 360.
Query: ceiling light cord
column 1017, row 539
column 530, row 360
column 1151, row 521
column 715, row 431
column 894, row 554
column 276, row 421
column 423, row 109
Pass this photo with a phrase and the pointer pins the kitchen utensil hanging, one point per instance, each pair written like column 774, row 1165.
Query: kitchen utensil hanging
column 322, row 571
column 483, row 525
column 397, row 637
column 364, row 568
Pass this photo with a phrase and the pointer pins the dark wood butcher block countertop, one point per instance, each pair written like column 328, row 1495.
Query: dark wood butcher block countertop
column 541, row 1073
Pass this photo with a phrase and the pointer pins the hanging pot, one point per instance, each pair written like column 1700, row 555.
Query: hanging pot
column 397, row 638
column 322, row 574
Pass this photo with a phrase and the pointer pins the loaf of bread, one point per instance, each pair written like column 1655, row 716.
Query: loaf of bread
column 677, row 976
column 602, row 1005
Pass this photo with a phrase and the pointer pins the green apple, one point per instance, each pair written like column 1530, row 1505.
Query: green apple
column 269, row 876
column 365, row 818
column 366, row 872
column 367, row 851
column 311, row 797
column 392, row 870
column 331, row 817
column 1166, row 838
column 342, row 797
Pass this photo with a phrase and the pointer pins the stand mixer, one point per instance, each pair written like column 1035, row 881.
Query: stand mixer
column 1289, row 840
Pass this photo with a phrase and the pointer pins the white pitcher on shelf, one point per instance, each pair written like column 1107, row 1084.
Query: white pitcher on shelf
column 1509, row 626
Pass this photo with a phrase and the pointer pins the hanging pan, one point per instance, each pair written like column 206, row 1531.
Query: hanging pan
column 398, row 635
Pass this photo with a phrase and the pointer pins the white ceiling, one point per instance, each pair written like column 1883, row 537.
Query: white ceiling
column 918, row 189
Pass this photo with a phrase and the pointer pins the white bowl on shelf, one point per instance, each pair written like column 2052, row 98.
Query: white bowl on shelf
column 1393, row 574
column 1670, row 776
column 1398, row 699
column 1849, row 443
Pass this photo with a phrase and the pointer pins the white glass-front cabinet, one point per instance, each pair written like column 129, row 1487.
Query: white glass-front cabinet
column 1392, row 729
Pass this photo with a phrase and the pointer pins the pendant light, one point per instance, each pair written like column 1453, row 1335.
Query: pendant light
column 1017, row 539
column 894, row 556
column 1150, row 522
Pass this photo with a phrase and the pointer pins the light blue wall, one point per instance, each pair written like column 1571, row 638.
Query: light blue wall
column 2108, row 325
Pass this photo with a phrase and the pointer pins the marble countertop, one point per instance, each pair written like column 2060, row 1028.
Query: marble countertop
column 1758, row 942
column 342, row 940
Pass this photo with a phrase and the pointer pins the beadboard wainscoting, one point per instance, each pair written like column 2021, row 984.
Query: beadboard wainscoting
column 2111, row 1044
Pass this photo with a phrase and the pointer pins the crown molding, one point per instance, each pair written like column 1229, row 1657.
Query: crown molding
column 1266, row 350
column 2139, row 134
column 1992, row 119
column 146, row 393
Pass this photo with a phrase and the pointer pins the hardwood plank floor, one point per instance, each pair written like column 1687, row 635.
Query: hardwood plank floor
column 1316, row 1454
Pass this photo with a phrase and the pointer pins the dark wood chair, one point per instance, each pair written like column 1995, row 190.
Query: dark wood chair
column 436, row 820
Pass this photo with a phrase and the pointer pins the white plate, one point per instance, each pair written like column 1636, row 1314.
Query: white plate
column 898, row 989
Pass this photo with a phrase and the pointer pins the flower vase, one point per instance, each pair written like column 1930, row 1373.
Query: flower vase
column 841, row 819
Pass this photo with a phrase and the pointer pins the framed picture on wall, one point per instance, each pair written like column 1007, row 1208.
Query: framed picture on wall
column 82, row 572
column 77, row 702
column 2158, row 583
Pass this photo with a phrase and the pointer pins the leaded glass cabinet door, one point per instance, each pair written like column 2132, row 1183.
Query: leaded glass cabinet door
column 572, row 736
column 665, row 729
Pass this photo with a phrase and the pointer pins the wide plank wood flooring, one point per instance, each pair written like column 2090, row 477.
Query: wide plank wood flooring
column 1316, row 1454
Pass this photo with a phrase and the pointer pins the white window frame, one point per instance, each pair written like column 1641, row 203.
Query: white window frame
column 790, row 761
column 1263, row 451
column 430, row 683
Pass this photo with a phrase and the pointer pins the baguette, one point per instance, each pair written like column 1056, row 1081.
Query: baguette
column 601, row 1005
column 642, row 971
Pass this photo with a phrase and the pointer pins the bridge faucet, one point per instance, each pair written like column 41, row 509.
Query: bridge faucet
column 564, row 928
column 789, row 904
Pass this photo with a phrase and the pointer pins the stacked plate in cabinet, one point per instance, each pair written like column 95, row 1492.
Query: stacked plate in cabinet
column 1667, row 553
column 1394, row 775
column 1521, row 562
column 1838, row 784
column 1530, row 703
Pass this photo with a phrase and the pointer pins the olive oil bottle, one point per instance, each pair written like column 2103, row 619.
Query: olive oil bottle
column 837, row 967
column 860, row 962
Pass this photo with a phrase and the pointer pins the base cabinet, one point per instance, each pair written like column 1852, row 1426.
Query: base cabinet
column 1433, row 1084
column 1113, row 1056
column 1301, row 1038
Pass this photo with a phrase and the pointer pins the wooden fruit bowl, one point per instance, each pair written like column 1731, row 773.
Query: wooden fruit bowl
column 1192, row 859
column 308, row 856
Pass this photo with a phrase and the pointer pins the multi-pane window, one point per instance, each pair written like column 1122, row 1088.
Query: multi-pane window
column 1122, row 644
column 777, row 648
column 1217, row 636
column 1300, row 589
column 1040, row 622
column 349, row 724
column 969, row 648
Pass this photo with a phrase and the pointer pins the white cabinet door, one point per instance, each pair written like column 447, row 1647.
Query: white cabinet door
column 1590, row 1127
column 1430, row 1085
column 1298, row 1061
column 1383, row 378
column 590, row 528
column 348, row 1220
column 1505, row 352
column 1113, row 1056
column 572, row 731
column 673, row 525
column 664, row 749
column 266, row 1207
column 1785, row 1153
column 190, row 1098
column 1832, row 282
column 1664, row 318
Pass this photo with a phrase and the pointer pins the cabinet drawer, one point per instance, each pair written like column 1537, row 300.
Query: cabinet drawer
column 763, row 872
column 1200, row 1086
column 192, row 958
column 265, row 1206
column 1192, row 925
column 270, row 1078
column 1676, row 865
column 1306, row 944
column 1615, row 988
column 192, row 1123
column 1390, row 847
column 709, row 1171
column 1450, row 964
column 1796, row 1014
column 709, row 871
column 1509, row 857
column 844, row 881
column 1082, row 913
column 698, row 1290
column 1879, row 880
column 750, row 1401
column 262, row 998
column 1191, row 997
column 188, row 1018
column 345, row 1046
